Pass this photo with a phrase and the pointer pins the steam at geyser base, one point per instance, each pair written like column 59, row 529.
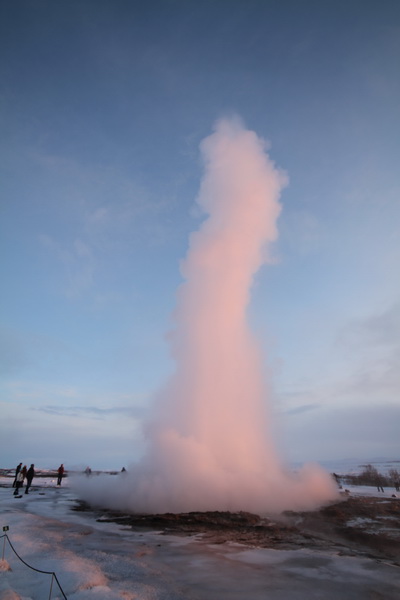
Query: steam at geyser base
column 209, row 440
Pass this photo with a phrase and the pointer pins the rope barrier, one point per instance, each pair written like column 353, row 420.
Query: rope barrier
column 54, row 576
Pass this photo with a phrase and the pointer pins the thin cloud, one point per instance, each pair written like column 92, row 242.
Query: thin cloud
column 302, row 409
column 107, row 204
column 25, row 392
column 78, row 263
column 302, row 232
column 381, row 329
column 344, row 432
column 374, row 345
column 13, row 355
column 91, row 411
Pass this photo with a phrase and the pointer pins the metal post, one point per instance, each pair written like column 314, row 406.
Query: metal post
column 51, row 585
column 4, row 546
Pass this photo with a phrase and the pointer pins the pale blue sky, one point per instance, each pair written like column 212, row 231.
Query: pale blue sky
column 103, row 107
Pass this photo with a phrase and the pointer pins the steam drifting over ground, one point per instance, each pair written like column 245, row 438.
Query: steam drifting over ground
column 209, row 442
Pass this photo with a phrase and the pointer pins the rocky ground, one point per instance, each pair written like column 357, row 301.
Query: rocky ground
column 355, row 526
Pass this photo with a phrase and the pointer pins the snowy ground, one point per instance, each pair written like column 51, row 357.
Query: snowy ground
column 102, row 561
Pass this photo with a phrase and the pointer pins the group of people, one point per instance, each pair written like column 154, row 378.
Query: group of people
column 22, row 473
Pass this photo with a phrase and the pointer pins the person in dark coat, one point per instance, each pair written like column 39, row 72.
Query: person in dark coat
column 60, row 474
column 17, row 470
column 29, row 476
column 379, row 483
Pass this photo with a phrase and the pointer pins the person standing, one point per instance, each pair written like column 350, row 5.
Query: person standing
column 17, row 470
column 379, row 483
column 60, row 474
column 19, row 480
column 29, row 476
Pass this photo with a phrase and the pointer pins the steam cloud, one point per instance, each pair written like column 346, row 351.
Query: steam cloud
column 209, row 441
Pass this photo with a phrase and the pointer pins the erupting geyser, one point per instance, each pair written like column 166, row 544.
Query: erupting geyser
column 209, row 441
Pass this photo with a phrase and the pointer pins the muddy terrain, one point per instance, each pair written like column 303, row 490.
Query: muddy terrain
column 355, row 526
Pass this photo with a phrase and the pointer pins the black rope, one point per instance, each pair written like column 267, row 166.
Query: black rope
column 33, row 568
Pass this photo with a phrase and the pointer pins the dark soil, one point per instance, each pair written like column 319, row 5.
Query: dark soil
column 356, row 526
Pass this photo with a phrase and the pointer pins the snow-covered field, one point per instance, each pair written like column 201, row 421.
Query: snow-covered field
column 354, row 467
column 102, row 561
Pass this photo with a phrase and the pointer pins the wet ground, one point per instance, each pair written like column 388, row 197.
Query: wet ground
column 355, row 526
column 348, row 550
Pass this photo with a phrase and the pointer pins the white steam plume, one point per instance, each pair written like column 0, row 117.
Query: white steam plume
column 209, row 440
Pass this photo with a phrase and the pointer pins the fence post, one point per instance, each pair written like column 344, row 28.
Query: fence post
column 51, row 585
